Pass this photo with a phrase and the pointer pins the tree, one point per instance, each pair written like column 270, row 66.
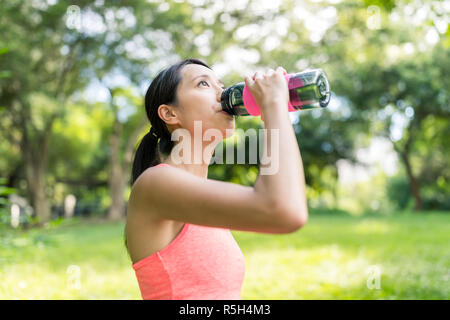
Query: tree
column 393, row 82
column 41, row 73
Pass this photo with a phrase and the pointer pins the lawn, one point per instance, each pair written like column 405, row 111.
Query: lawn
column 335, row 256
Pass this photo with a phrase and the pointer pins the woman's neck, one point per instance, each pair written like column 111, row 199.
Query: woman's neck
column 199, row 170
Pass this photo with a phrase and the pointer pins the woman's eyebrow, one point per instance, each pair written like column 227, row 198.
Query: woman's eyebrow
column 207, row 76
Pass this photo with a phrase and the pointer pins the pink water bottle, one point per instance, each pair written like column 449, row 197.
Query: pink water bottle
column 307, row 89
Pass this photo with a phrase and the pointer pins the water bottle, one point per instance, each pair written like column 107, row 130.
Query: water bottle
column 307, row 89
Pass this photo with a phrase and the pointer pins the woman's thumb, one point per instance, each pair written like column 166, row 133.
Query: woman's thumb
column 248, row 81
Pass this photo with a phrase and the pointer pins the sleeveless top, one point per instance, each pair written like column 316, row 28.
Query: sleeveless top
column 201, row 263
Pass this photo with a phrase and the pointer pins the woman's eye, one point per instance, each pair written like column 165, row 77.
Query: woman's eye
column 223, row 88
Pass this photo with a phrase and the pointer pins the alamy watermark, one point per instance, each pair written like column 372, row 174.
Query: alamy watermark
column 373, row 278
column 73, row 17
column 74, row 277
column 373, row 21
column 192, row 150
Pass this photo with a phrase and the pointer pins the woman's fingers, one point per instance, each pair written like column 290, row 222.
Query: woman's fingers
column 257, row 75
column 248, row 81
column 282, row 70
column 270, row 72
column 260, row 75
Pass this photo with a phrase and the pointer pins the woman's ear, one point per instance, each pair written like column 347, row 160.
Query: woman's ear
column 168, row 114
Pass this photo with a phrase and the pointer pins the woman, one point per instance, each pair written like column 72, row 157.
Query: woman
column 178, row 221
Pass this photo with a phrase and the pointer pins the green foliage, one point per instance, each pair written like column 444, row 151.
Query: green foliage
column 5, row 192
column 398, row 192
column 385, row 4
column 4, row 73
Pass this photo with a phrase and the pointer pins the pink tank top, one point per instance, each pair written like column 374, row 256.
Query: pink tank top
column 201, row 263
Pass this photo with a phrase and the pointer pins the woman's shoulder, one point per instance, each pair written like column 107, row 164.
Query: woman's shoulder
column 147, row 232
column 151, row 174
column 152, row 184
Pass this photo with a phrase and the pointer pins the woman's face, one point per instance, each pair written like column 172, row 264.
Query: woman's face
column 199, row 100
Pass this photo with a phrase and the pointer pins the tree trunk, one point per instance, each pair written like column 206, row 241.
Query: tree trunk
column 116, row 176
column 39, row 201
column 120, row 169
column 404, row 152
column 414, row 184
column 35, row 161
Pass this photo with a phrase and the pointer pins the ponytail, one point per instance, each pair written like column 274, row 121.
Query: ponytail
column 146, row 155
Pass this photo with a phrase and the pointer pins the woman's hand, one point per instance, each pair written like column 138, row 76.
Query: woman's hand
column 269, row 89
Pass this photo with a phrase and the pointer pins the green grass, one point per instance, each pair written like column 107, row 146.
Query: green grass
column 402, row 256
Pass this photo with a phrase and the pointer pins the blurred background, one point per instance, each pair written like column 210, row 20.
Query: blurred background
column 72, row 80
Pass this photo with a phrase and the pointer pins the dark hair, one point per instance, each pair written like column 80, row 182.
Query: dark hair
column 162, row 90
